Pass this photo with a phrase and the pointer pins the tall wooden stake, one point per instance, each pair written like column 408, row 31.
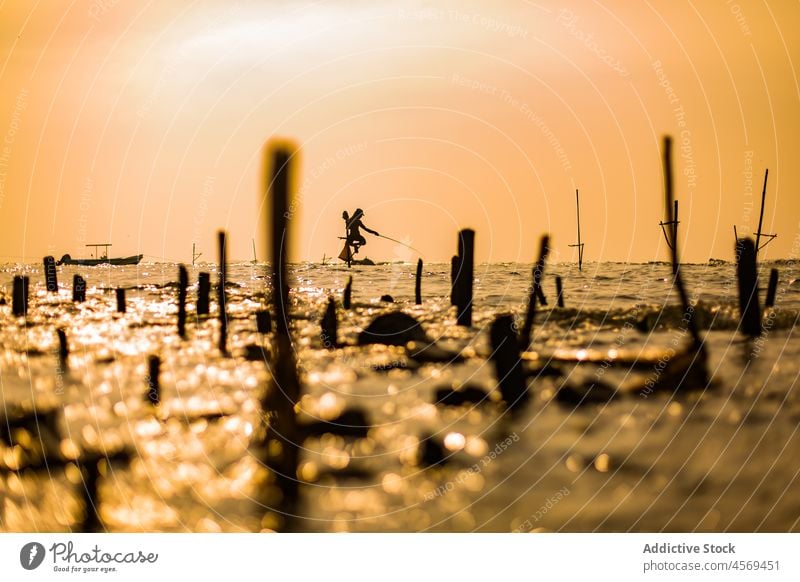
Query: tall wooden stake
column 418, row 284
column 759, row 234
column 63, row 350
column 507, row 365
column 671, row 207
column 121, row 300
column 579, row 244
column 283, row 439
column 761, row 214
column 348, row 293
column 195, row 255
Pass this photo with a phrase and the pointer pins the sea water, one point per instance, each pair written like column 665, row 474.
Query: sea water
column 725, row 457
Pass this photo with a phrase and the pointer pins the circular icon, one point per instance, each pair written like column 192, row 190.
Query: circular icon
column 31, row 555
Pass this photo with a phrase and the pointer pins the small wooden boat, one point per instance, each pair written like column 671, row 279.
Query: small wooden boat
column 101, row 258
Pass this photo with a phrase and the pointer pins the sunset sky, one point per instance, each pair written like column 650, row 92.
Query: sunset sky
column 143, row 124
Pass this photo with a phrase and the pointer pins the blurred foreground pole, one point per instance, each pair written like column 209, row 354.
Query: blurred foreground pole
column 282, row 437
column 19, row 303
column 418, row 284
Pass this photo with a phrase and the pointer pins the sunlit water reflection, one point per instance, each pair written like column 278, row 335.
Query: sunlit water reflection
column 716, row 459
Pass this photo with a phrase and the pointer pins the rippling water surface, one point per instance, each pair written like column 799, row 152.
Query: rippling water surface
column 722, row 457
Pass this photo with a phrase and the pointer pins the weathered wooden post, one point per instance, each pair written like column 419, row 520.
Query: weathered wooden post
column 183, row 284
column 464, row 277
column 540, row 296
column 153, row 383
column 536, row 283
column 121, row 307
column 506, row 358
column 221, row 293
column 348, row 293
column 418, row 284
column 50, row 274
column 78, row 289
column 747, row 276
column 559, row 292
column 19, row 303
column 675, row 222
column 63, row 349
column 759, row 234
column 772, row 288
column 203, row 291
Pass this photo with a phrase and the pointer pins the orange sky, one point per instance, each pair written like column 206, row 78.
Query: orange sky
column 142, row 124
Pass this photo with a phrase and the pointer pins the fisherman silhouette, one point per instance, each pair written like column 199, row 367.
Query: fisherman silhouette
column 354, row 224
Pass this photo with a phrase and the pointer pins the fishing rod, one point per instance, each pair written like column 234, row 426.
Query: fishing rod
column 393, row 240
column 399, row 242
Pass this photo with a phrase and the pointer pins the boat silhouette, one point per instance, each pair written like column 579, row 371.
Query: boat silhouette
column 100, row 259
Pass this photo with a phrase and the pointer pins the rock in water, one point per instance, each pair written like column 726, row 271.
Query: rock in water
column 586, row 393
column 431, row 352
column 256, row 353
column 448, row 396
column 393, row 329
column 350, row 423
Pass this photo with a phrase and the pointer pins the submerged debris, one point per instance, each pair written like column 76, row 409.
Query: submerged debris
column 393, row 329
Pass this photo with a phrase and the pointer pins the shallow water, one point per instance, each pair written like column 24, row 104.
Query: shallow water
column 721, row 458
